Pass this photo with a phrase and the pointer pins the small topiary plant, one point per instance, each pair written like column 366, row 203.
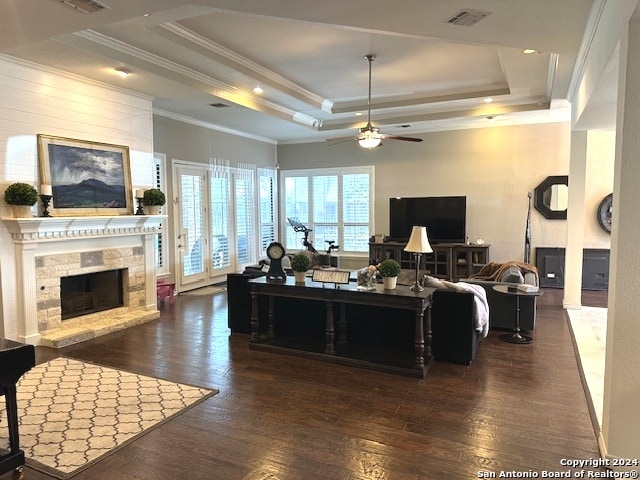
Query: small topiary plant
column 300, row 262
column 153, row 196
column 389, row 268
column 21, row 194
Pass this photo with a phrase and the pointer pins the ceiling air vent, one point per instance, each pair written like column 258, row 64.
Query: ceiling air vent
column 84, row 6
column 467, row 17
column 218, row 105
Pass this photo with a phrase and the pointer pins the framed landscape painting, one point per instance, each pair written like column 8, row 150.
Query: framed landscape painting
column 87, row 178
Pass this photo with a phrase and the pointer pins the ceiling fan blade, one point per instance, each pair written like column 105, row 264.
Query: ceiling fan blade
column 406, row 139
column 337, row 140
column 370, row 136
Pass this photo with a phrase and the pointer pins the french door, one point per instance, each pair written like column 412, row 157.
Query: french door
column 216, row 227
column 192, row 227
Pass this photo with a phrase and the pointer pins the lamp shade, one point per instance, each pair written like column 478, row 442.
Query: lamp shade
column 418, row 241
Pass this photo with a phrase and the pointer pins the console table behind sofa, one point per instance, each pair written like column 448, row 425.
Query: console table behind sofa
column 339, row 337
column 454, row 338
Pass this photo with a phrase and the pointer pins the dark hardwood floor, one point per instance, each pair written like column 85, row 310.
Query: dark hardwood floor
column 279, row 417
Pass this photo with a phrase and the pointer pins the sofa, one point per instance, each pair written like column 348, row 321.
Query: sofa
column 454, row 335
column 455, row 338
column 502, row 308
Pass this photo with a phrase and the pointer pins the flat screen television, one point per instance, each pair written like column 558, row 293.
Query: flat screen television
column 444, row 217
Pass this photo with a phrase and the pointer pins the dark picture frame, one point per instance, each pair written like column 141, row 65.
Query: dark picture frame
column 87, row 178
column 542, row 197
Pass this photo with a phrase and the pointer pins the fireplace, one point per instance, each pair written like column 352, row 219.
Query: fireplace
column 91, row 293
column 49, row 249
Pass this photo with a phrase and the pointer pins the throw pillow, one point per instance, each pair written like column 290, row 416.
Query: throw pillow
column 512, row 275
column 433, row 282
column 406, row 277
column 453, row 286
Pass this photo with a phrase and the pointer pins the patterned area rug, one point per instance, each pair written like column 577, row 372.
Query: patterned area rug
column 73, row 414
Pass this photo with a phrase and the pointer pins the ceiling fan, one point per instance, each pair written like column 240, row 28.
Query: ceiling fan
column 370, row 136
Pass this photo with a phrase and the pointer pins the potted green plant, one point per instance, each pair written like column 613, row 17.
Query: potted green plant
column 300, row 263
column 153, row 198
column 21, row 197
column 389, row 270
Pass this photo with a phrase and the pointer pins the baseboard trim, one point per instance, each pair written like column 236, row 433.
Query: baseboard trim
column 571, row 306
column 587, row 393
column 602, row 446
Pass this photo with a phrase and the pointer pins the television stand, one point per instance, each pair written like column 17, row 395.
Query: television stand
column 451, row 261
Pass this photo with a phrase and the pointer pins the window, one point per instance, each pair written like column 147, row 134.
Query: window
column 337, row 204
column 220, row 221
column 268, row 215
column 233, row 216
column 159, row 182
column 245, row 226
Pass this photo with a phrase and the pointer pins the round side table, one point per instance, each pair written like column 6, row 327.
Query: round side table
column 516, row 336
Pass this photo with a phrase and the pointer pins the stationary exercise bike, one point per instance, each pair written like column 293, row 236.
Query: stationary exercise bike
column 299, row 227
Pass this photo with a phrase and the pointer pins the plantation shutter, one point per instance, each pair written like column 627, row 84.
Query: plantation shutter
column 268, row 214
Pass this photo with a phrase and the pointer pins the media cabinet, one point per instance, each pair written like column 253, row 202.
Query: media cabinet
column 451, row 261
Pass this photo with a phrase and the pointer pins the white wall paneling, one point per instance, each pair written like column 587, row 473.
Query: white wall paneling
column 36, row 100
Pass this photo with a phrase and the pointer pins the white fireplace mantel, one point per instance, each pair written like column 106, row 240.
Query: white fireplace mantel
column 37, row 229
column 39, row 236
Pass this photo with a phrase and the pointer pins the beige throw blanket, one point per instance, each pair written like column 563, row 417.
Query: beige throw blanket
column 493, row 271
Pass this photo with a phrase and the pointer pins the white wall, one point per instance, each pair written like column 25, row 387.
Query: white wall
column 599, row 181
column 494, row 167
column 34, row 100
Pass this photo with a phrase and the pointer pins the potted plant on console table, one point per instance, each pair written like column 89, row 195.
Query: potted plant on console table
column 389, row 270
column 21, row 197
column 300, row 263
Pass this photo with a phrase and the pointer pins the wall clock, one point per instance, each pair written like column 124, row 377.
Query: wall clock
column 275, row 252
column 604, row 212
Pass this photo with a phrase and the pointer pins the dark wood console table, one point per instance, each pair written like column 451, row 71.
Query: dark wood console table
column 350, row 346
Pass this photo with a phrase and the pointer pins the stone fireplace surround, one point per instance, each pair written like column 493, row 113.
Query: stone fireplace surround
column 47, row 249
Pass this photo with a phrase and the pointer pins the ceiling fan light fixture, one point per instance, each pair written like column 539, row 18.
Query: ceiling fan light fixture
column 369, row 137
column 369, row 142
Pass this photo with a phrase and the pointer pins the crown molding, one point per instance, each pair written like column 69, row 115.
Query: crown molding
column 245, row 65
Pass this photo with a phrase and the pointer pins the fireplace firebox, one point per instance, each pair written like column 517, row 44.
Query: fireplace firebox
column 90, row 293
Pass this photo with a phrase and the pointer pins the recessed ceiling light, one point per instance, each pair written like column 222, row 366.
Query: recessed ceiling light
column 488, row 100
column 258, row 90
column 528, row 51
column 146, row 14
column 358, row 114
column 123, row 72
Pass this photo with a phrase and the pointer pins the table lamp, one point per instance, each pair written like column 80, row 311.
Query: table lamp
column 418, row 244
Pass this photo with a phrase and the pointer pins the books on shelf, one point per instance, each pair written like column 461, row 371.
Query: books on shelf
column 525, row 287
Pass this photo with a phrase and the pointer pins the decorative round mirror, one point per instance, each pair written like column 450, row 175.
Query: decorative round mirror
column 604, row 213
column 551, row 197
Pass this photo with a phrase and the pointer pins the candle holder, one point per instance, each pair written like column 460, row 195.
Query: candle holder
column 46, row 199
column 139, row 210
